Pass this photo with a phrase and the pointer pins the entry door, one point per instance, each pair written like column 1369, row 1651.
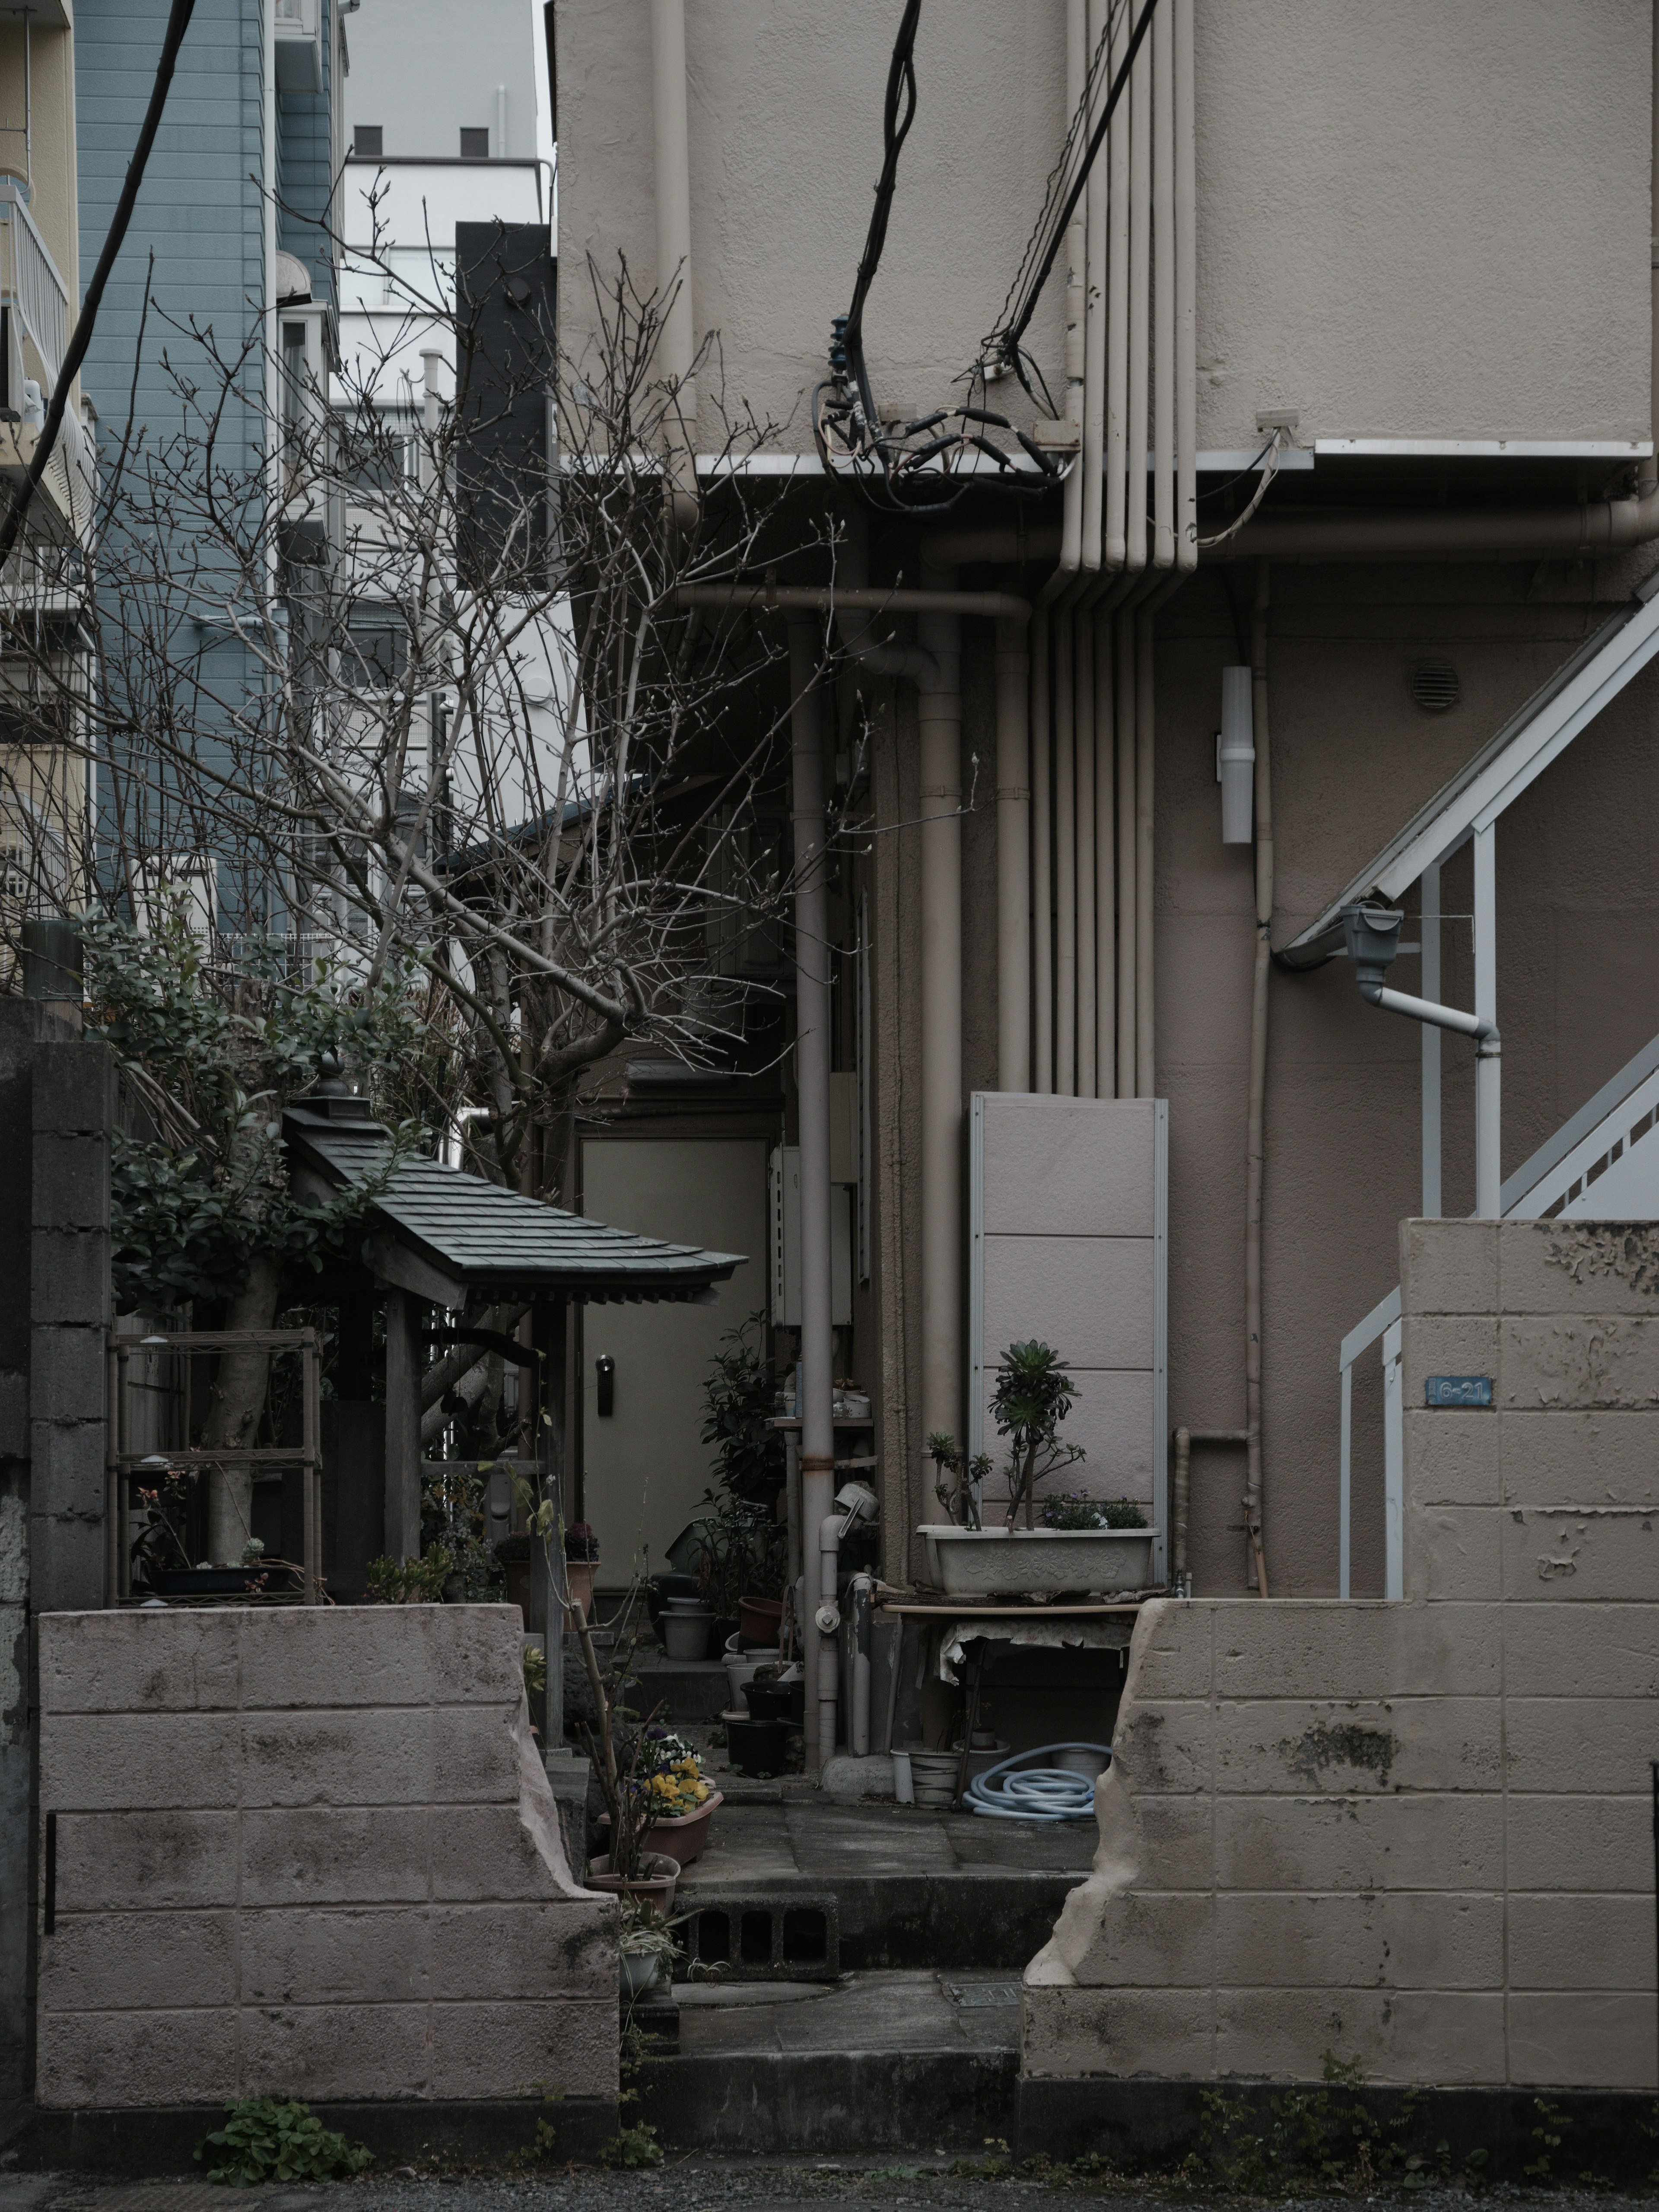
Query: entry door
column 646, row 1464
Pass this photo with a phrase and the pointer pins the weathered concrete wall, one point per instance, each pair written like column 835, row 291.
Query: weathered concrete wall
column 1430, row 221
column 1419, row 1833
column 311, row 1852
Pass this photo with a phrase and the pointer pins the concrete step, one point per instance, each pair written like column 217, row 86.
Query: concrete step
column 686, row 1689
column 907, row 1890
column 919, row 2060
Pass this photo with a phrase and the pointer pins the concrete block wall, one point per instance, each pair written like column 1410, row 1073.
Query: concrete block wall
column 311, row 1852
column 1419, row 1833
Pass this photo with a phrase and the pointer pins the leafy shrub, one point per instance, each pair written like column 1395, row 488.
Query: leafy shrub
column 265, row 2140
column 1077, row 1509
column 410, row 1581
column 737, row 1397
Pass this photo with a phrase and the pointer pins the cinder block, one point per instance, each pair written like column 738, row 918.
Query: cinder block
column 1359, row 1747
column 1454, row 1554
column 1594, row 1842
column 318, row 1855
column 476, row 1752
column 1444, row 2036
column 541, row 1952
column 1177, row 1840
column 487, row 1852
column 146, row 1762
column 1578, row 1942
column 1551, row 1363
column 1580, row 1459
column 69, row 1278
column 1581, row 2039
column 68, row 1477
column 68, row 1375
column 125, row 2060
column 67, row 1565
column 1555, row 1651
column 1416, row 1841
column 475, row 1653
column 1152, row 1939
column 336, row 1955
column 128, row 1861
column 1163, row 1745
column 72, row 1088
column 356, row 1758
column 1418, row 1940
column 1581, row 1556
column 138, row 1961
column 334, row 2053
column 1585, row 1746
column 1448, row 1266
column 507, row 2050
column 1169, row 1652
column 139, row 1661
column 1577, row 1267
column 1169, row 2033
column 1452, row 1458
column 317, row 1657
column 70, row 1181
column 1446, row 1344
column 1319, row 1647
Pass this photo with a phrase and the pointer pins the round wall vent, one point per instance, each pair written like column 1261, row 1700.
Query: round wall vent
column 1434, row 685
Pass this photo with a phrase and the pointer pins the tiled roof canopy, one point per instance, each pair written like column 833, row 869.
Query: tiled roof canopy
column 438, row 1230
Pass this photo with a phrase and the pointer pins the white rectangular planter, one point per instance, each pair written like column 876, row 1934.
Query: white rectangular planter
column 982, row 1562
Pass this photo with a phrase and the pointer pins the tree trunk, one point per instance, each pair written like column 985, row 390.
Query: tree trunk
column 238, row 1404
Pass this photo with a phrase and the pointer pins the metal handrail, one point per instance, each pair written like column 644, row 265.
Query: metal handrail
column 31, row 281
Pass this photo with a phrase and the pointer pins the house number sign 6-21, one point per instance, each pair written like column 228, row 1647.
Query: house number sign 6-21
column 1457, row 1390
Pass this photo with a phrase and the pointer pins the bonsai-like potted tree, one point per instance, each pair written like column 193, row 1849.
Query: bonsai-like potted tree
column 1103, row 1548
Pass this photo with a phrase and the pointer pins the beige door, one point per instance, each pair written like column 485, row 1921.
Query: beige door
column 646, row 1464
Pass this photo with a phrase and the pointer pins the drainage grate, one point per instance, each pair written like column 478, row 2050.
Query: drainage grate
column 770, row 1939
column 982, row 1993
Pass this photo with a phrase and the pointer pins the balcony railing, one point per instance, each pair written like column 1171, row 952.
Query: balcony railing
column 28, row 276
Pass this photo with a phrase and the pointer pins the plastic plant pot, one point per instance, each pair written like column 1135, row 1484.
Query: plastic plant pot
column 653, row 1885
column 682, row 1838
column 759, row 1619
column 686, row 1635
column 756, row 1747
column 769, row 1701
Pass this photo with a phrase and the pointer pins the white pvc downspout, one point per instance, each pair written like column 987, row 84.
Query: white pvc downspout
column 671, row 141
column 818, row 1454
column 939, row 710
column 1013, row 859
column 827, row 1621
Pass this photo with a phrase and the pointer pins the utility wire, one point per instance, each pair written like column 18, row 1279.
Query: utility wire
column 177, row 24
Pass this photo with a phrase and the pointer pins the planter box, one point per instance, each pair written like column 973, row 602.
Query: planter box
column 682, row 1838
column 984, row 1562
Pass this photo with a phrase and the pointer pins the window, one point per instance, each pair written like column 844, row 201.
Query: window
column 376, row 647
column 475, row 145
column 367, row 141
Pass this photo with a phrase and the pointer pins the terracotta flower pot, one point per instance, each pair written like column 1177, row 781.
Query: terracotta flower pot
column 682, row 1837
column 653, row 1885
column 760, row 1619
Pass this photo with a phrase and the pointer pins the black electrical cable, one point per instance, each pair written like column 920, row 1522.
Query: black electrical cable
column 898, row 113
column 177, row 24
column 1009, row 337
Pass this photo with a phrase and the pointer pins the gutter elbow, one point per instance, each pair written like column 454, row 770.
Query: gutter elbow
column 1370, row 988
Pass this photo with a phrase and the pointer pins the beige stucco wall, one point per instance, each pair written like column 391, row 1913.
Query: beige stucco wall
column 1416, row 1833
column 309, row 1852
column 1419, row 221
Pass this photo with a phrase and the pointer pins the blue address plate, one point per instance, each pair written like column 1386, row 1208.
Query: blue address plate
column 1457, row 1390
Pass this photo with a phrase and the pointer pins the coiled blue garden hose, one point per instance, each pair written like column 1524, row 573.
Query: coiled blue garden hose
column 1017, row 1790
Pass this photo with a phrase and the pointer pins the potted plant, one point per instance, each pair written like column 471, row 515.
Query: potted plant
column 628, row 1868
column 1082, row 1544
column 679, row 1802
column 646, row 1946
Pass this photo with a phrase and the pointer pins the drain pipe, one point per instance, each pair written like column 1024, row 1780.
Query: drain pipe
column 862, row 1591
column 827, row 1621
column 1184, row 1441
column 1372, row 938
column 818, row 1455
column 676, row 341
column 1256, row 1567
column 1013, row 859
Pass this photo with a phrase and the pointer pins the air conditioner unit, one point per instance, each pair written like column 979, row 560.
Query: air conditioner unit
column 299, row 46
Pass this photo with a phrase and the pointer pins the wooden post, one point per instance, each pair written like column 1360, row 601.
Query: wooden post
column 403, row 1425
column 548, row 1333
